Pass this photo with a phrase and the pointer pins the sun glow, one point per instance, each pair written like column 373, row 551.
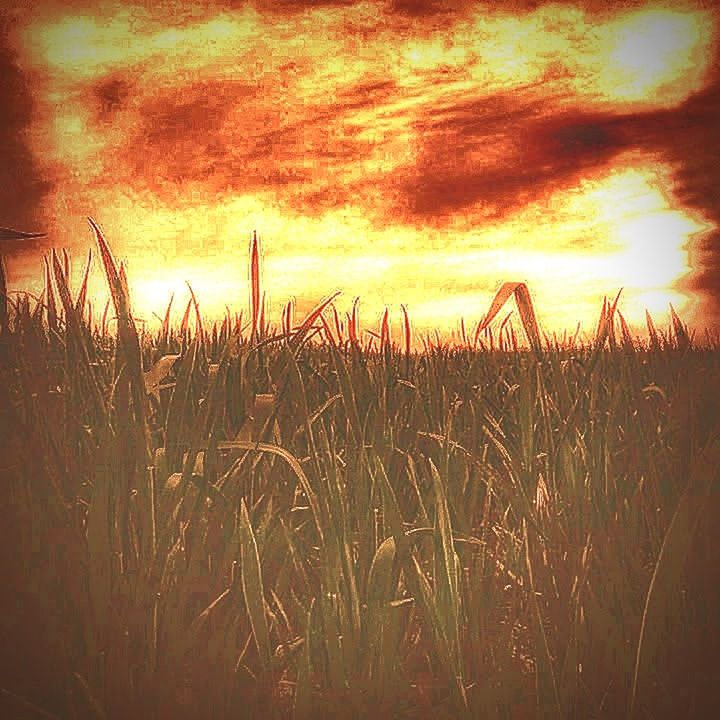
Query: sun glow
column 421, row 163
column 656, row 54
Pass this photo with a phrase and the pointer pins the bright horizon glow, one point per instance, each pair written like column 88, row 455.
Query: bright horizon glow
column 401, row 163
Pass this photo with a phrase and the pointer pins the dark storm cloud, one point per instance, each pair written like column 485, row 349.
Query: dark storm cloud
column 179, row 138
column 188, row 116
column 500, row 153
column 504, row 152
column 434, row 8
column 22, row 187
column 234, row 141
column 420, row 9
column 110, row 96
column 431, row 8
column 296, row 6
column 689, row 138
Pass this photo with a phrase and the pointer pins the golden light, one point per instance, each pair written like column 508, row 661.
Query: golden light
column 656, row 55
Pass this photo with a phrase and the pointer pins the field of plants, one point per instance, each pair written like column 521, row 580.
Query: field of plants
column 236, row 521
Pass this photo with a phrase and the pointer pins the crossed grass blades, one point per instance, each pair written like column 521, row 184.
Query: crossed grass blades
column 318, row 523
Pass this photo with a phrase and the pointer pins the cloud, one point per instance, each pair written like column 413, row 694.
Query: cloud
column 689, row 139
column 504, row 151
column 453, row 8
column 22, row 182
column 236, row 138
column 497, row 154
column 111, row 95
column 390, row 112
column 292, row 7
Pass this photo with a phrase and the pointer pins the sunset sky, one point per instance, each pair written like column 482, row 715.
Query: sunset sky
column 407, row 151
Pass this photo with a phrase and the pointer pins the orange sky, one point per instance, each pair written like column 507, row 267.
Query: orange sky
column 410, row 152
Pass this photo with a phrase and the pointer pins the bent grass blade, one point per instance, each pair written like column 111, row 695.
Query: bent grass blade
column 525, row 308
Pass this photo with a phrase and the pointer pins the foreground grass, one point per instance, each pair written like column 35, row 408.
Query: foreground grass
column 218, row 524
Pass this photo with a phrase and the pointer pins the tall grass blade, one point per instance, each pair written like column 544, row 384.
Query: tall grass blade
column 682, row 338
column 82, row 293
column 165, row 336
column 95, row 706
column 353, row 323
column 3, row 295
column 261, row 320
column 198, row 318
column 524, row 306
column 348, row 395
column 302, row 702
column 385, row 331
column 254, row 286
column 122, row 276
column 548, row 694
column 287, row 318
column 605, row 329
column 292, row 461
column 301, row 332
column 381, row 589
column 50, row 297
column 326, row 329
column 104, row 322
column 446, row 578
column 184, row 324
column 128, row 351
column 674, row 551
column 652, row 332
column 627, row 339
column 253, row 589
column 78, row 346
column 338, row 324
column 407, row 336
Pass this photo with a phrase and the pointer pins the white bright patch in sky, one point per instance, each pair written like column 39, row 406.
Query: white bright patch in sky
column 652, row 51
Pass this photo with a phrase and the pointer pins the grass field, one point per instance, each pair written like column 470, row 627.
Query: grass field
column 313, row 522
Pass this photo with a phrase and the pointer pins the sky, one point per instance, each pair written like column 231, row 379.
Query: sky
column 420, row 152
